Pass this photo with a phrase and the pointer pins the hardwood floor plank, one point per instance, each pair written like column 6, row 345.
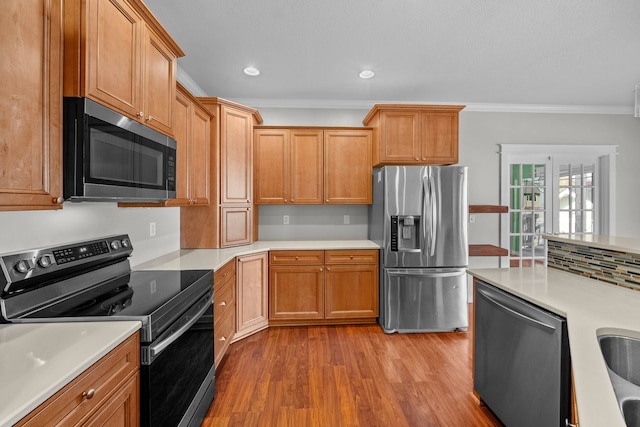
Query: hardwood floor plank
column 351, row 376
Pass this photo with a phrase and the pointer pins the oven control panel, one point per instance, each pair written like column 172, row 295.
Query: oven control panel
column 25, row 265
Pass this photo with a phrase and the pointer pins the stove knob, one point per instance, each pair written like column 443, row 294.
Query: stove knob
column 126, row 243
column 24, row 265
column 45, row 261
column 115, row 245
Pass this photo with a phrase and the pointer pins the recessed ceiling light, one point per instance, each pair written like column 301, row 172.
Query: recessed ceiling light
column 251, row 71
column 366, row 74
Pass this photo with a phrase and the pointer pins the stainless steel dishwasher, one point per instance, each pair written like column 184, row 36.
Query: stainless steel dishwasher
column 522, row 366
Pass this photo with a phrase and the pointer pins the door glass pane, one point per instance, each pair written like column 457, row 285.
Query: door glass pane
column 575, row 196
column 527, row 213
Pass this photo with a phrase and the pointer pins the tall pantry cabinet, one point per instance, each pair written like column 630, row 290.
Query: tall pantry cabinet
column 31, row 105
column 231, row 218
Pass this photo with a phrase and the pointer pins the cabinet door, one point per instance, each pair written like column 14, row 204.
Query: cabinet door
column 236, row 226
column 199, row 169
column 252, row 299
column 347, row 166
column 122, row 408
column 306, row 184
column 159, row 83
column 236, row 169
column 181, row 119
column 271, row 166
column 399, row 137
column 31, row 101
column 296, row 292
column 439, row 136
column 351, row 291
column 114, row 57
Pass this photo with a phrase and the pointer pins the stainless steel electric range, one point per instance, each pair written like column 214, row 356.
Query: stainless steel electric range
column 93, row 281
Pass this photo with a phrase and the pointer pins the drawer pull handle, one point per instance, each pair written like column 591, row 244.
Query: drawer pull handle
column 89, row 394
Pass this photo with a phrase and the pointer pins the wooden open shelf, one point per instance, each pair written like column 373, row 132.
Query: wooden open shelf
column 487, row 250
column 488, row 209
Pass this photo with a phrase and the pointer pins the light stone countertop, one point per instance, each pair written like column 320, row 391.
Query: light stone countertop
column 591, row 308
column 196, row 259
column 38, row 359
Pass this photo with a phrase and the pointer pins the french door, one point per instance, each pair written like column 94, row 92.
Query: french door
column 553, row 189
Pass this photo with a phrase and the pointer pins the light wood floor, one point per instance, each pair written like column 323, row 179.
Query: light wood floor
column 356, row 376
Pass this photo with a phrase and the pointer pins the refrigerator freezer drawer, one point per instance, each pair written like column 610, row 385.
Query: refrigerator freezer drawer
column 424, row 300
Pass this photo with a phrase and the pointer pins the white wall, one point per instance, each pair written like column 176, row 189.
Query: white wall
column 480, row 134
column 82, row 221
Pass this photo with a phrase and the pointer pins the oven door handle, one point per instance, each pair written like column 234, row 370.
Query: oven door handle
column 157, row 348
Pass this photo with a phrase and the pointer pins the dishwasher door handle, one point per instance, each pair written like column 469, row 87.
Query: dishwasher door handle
column 550, row 329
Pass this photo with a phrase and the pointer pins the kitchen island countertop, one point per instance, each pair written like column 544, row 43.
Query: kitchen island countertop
column 38, row 359
column 592, row 308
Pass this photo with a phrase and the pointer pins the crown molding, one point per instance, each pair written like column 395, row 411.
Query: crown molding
column 485, row 108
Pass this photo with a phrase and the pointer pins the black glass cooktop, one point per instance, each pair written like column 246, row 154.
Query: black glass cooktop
column 139, row 293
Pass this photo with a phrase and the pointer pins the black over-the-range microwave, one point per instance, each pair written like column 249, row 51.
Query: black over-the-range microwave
column 109, row 157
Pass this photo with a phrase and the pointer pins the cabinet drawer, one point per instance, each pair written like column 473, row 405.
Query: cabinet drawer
column 224, row 299
column 70, row 405
column 296, row 257
column 224, row 273
column 360, row 256
column 223, row 332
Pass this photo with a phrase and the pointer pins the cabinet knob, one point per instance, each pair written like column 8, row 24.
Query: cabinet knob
column 285, row 200
column 327, row 200
column 248, row 209
column 58, row 200
column 150, row 118
column 89, row 394
column 291, row 200
column 223, row 304
column 321, row 269
column 222, row 339
column 140, row 114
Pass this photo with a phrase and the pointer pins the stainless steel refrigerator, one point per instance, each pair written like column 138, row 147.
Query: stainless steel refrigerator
column 419, row 219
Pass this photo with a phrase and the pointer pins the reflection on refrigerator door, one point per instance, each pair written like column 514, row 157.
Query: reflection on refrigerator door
column 424, row 300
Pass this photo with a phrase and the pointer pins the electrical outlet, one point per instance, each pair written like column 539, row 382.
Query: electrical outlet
column 472, row 219
column 347, row 219
column 285, row 219
column 152, row 229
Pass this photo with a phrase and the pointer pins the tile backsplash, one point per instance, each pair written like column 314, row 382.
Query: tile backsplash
column 618, row 268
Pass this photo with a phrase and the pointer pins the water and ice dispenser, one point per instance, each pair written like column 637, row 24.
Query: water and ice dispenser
column 405, row 233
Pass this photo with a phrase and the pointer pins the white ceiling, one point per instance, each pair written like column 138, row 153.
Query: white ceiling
column 562, row 55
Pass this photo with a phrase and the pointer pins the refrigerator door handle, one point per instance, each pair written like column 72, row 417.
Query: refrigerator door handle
column 434, row 214
column 425, row 229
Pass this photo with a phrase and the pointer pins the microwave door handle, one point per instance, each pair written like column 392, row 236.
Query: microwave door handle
column 157, row 348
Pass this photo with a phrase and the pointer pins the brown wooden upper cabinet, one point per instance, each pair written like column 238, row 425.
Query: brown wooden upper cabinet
column 407, row 134
column 31, row 101
column 231, row 218
column 297, row 165
column 192, row 130
column 118, row 54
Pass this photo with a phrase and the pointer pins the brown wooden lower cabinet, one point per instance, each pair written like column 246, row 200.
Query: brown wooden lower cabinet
column 224, row 310
column 323, row 287
column 251, row 298
column 107, row 393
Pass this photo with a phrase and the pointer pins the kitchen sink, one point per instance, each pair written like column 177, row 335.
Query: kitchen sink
column 622, row 356
column 631, row 412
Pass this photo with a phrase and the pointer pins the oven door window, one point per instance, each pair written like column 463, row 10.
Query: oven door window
column 171, row 381
column 118, row 157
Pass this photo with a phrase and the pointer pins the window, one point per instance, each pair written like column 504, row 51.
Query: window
column 566, row 189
